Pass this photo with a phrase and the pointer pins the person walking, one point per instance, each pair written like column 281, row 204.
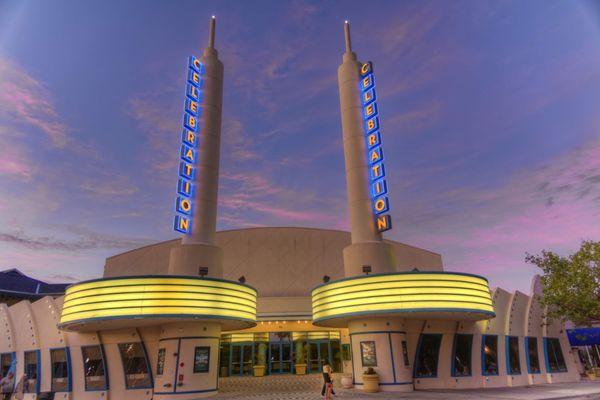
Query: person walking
column 327, row 389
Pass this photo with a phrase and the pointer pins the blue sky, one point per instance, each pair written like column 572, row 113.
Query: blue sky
column 489, row 114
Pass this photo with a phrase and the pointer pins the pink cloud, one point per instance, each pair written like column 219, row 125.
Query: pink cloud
column 23, row 99
column 14, row 162
column 552, row 206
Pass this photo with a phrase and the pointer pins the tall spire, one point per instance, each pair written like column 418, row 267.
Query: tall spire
column 347, row 35
column 211, row 33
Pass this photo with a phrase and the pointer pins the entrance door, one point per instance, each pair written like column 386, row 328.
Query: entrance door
column 318, row 353
column 280, row 358
column 165, row 379
column 242, row 359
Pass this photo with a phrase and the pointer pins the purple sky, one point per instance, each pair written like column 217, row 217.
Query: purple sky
column 490, row 115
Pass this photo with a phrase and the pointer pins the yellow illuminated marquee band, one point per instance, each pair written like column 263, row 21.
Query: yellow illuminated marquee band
column 158, row 297
column 436, row 294
column 378, row 183
column 188, row 153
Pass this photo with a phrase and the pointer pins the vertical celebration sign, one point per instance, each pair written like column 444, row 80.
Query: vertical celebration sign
column 378, row 183
column 188, row 153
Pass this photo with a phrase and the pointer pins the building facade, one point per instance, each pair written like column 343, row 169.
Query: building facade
column 166, row 321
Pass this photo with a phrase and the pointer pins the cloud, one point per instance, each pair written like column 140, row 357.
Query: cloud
column 420, row 117
column 254, row 193
column 26, row 101
column 109, row 185
column 86, row 240
column 488, row 230
column 15, row 161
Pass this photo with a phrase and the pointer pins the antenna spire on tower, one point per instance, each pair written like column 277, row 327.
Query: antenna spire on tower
column 347, row 35
column 211, row 33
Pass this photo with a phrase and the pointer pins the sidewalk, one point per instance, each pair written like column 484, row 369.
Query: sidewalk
column 282, row 388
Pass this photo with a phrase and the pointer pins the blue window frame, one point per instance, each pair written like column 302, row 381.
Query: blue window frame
column 461, row 355
column 60, row 360
column 531, row 353
column 489, row 355
column 555, row 361
column 135, row 366
column 513, row 364
column 31, row 371
column 426, row 359
column 94, row 368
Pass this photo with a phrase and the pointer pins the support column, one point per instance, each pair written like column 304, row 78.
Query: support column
column 367, row 246
column 382, row 337
column 184, row 347
column 198, row 249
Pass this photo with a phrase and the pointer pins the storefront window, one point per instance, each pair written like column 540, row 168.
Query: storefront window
column 533, row 361
column 30, row 369
column 427, row 356
column 60, row 370
column 135, row 366
column 160, row 364
column 93, row 364
column 7, row 363
column 513, row 366
column 461, row 361
column 554, row 355
column 201, row 359
column 489, row 354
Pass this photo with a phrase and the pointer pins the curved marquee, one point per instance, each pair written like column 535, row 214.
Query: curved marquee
column 409, row 295
column 133, row 301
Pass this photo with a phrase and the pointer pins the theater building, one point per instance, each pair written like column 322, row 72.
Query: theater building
column 174, row 319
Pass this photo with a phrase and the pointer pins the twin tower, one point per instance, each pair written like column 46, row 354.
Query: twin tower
column 196, row 206
column 191, row 305
column 367, row 188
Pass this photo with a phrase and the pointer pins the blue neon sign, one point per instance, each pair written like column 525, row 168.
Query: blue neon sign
column 378, row 183
column 188, row 153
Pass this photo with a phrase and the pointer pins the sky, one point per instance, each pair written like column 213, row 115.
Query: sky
column 489, row 113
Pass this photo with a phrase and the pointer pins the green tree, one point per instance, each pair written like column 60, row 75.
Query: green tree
column 571, row 285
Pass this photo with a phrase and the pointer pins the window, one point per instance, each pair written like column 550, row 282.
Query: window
column 533, row 361
column 489, row 354
column 513, row 366
column 135, row 366
column 368, row 354
column 461, row 360
column 405, row 353
column 30, row 370
column 160, row 365
column 8, row 367
column 555, row 362
column 94, row 368
column 201, row 359
column 61, row 381
column 427, row 356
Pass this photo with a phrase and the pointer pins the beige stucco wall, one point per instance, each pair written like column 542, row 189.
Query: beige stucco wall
column 278, row 262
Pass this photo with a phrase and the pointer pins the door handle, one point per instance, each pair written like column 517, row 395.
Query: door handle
column 167, row 385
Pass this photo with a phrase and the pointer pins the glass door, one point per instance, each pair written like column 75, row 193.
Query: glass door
column 247, row 359
column 241, row 359
column 318, row 353
column 274, row 358
column 280, row 353
column 286, row 358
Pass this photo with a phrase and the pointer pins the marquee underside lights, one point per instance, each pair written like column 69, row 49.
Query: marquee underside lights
column 105, row 303
column 188, row 152
column 378, row 183
column 408, row 295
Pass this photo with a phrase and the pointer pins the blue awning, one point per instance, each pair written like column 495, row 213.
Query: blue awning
column 584, row 336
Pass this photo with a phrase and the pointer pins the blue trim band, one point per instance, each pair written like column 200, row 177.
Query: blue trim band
column 491, row 314
column 401, row 273
column 113, row 278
